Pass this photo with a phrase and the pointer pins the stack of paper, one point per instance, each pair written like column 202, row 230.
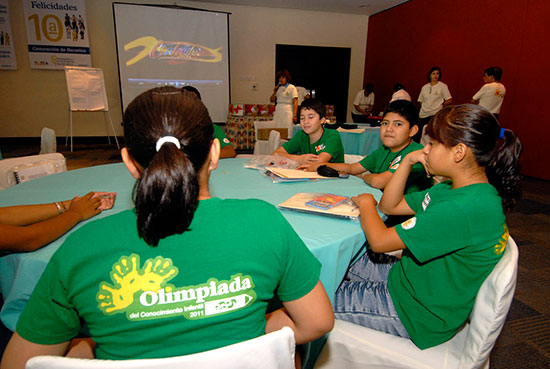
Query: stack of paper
column 292, row 175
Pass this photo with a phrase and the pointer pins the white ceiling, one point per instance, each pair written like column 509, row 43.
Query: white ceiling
column 365, row 7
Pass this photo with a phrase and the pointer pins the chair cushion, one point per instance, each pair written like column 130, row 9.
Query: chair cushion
column 352, row 346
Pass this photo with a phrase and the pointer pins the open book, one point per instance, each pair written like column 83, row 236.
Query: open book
column 322, row 204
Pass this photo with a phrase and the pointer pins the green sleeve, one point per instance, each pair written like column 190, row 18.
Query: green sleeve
column 302, row 270
column 49, row 318
column 369, row 161
column 220, row 135
column 427, row 234
column 414, row 200
column 293, row 145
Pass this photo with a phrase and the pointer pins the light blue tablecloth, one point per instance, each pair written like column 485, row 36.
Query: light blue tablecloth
column 333, row 241
column 358, row 143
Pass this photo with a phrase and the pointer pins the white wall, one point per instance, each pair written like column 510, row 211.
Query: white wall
column 31, row 99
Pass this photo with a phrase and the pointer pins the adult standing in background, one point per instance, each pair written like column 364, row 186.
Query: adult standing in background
column 491, row 95
column 285, row 96
column 433, row 96
column 399, row 93
column 363, row 104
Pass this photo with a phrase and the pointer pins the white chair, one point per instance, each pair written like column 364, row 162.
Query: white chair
column 271, row 351
column 263, row 146
column 274, row 140
column 352, row 346
column 16, row 170
column 48, row 143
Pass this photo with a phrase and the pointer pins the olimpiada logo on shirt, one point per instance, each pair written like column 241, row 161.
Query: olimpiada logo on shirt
column 503, row 240
column 143, row 292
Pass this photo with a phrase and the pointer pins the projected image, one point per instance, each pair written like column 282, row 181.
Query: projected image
column 174, row 51
column 173, row 46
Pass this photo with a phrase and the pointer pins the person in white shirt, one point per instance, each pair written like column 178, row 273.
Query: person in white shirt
column 285, row 96
column 491, row 95
column 363, row 104
column 399, row 93
column 433, row 96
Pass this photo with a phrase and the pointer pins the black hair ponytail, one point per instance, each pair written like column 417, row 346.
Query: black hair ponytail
column 503, row 170
column 166, row 194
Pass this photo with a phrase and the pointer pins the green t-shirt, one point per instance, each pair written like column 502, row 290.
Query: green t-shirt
column 220, row 135
column 330, row 142
column 382, row 160
column 206, row 288
column 453, row 243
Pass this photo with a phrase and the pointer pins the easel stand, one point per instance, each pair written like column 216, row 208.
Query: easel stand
column 86, row 87
column 106, row 115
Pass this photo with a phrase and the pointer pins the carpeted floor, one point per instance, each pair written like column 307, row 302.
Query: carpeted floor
column 525, row 340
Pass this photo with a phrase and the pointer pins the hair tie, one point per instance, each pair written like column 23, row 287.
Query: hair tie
column 501, row 135
column 161, row 141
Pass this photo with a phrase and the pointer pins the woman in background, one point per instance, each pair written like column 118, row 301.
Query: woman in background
column 433, row 96
column 285, row 96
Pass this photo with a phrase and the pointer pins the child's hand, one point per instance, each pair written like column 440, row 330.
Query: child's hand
column 311, row 167
column 418, row 156
column 107, row 199
column 308, row 158
column 365, row 199
column 85, row 206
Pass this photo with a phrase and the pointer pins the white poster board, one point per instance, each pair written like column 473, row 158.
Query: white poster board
column 86, row 88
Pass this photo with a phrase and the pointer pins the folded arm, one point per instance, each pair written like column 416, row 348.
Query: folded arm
column 310, row 316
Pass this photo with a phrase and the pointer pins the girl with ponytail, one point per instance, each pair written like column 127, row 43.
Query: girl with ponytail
column 455, row 237
column 195, row 274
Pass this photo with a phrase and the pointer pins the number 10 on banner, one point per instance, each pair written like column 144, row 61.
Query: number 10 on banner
column 50, row 27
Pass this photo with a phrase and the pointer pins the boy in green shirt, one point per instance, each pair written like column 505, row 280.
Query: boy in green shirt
column 313, row 144
column 399, row 125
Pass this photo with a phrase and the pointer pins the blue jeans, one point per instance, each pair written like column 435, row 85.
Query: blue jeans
column 363, row 297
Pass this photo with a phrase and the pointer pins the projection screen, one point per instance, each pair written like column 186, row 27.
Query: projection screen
column 168, row 45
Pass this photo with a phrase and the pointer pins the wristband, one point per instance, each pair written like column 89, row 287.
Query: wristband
column 59, row 208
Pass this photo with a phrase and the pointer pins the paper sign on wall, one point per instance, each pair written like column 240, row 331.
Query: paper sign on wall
column 7, row 53
column 57, row 34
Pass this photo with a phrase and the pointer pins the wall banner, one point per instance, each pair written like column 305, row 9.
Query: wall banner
column 7, row 52
column 57, row 33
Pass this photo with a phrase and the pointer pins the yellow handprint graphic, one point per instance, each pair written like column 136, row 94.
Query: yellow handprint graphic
column 128, row 278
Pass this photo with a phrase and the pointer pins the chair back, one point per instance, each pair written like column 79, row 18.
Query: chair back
column 274, row 140
column 490, row 309
column 271, row 351
column 17, row 170
column 48, row 143
column 352, row 346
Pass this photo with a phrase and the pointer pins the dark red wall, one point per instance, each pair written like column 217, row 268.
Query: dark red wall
column 463, row 38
